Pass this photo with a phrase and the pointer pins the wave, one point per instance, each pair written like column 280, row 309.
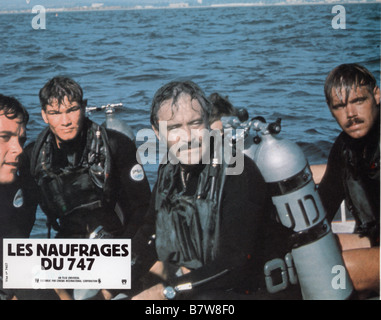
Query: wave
column 57, row 57
column 141, row 77
column 316, row 152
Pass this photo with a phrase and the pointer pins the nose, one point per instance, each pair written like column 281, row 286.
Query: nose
column 351, row 110
column 16, row 147
column 66, row 119
column 182, row 135
column 188, row 134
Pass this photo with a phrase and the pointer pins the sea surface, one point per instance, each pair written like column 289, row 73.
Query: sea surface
column 272, row 60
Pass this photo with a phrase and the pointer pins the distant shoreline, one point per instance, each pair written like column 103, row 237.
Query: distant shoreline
column 227, row 5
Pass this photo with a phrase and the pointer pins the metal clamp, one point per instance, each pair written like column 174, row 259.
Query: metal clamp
column 269, row 267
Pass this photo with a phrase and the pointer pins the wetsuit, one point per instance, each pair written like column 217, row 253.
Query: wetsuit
column 353, row 174
column 68, row 183
column 17, row 216
column 247, row 237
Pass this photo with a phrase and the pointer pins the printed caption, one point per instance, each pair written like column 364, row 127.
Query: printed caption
column 192, row 309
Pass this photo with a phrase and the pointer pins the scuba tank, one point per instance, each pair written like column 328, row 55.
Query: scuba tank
column 315, row 252
column 112, row 121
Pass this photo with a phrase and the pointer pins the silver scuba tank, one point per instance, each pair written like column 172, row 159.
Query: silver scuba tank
column 314, row 249
column 114, row 123
column 112, row 120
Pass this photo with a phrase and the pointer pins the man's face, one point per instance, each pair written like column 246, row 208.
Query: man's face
column 65, row 120
column 357, row 114
column 186, row 126
column 12, row 139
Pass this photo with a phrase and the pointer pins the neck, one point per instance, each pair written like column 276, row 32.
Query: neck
column 188, row 172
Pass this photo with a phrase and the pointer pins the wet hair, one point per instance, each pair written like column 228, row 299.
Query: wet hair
column 57, row 89
column 13, row 109
column 173, row 90
column 348, row 76
column 221, row 107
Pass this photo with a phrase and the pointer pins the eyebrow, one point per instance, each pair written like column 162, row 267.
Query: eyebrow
column 14, row 134
column 359, row 98
column 337, row 105
column 189, row 123
column 59, row 108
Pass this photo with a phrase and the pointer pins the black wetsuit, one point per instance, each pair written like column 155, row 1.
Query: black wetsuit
column 17, row 216
column 353, row 174
column 248, row 238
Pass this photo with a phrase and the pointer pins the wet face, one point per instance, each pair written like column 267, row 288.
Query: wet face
column 356, row 113
column 65, row 120
column 185, row 127
column 217, row 125
column 12, row 139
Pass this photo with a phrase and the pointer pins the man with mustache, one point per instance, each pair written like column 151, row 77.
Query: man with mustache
column 353, row 171
column 17, row 201
column 213, row 230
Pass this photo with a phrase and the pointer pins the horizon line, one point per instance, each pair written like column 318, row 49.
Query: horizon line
column 187, row 6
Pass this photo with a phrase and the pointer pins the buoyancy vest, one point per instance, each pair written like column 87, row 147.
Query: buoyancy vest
column 187, row 226
column 83, row 186
column 361, row 176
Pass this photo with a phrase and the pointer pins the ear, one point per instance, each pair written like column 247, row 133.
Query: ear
column 156, row 132
column 376, row 94
column 44, row 117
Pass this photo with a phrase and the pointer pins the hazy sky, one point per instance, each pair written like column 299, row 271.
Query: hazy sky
column 55, row 3
column 28, row 4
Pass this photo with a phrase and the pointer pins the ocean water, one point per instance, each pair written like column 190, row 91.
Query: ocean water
column 272, row 60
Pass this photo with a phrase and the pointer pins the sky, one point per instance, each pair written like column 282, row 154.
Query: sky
column 28, row 4
column 24, row 4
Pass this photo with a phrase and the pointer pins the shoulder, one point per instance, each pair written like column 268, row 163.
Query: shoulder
column 251, row 171
column 117, row 139
column 32, row 149
column 25, row 158
column 331, row 180
column 29, row 147
column 250, row 165
column 342, row 139
column 337, row 148
column 122, row 149
column 125, row 157
column 250, row 178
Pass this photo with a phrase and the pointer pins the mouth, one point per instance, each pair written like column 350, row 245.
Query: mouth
column 13, row 165
column 190, row 155
column 354, row 123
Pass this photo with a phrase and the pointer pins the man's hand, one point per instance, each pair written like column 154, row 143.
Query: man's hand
column 153, row 293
